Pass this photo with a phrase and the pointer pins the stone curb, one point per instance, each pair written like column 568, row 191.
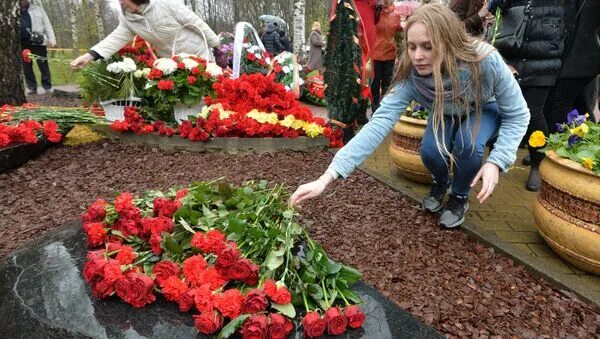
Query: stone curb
column 533, row 264
column 219, row 145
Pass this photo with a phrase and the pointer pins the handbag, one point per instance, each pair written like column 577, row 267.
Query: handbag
column 508, row 32
column 36, row 38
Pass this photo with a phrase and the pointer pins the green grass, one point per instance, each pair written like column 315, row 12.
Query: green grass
column 61, row 72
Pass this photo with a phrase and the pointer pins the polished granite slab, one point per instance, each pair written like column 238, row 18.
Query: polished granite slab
column 43, row 295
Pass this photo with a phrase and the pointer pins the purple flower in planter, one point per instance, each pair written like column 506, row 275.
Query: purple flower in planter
column 574, row 118
column 573, row 139
column 560, row 128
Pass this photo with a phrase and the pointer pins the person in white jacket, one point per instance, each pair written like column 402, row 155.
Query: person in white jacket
column 36, row 35
column 166, row 24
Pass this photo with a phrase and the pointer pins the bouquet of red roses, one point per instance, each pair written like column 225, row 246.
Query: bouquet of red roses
column 225, row 253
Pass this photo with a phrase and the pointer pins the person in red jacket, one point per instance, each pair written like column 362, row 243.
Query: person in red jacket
column 387, row 24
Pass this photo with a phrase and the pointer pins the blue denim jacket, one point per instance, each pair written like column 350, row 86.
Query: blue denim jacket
column 498, row 84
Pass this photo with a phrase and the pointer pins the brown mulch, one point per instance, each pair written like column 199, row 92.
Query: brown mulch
column 53, row 99
column 453, row 283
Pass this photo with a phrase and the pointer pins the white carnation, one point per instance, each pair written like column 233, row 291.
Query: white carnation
column 165, row 65
column 286, row 69
column 125, row 66
column 138, row 74
column 190, row 63
column 146, row 71
column 213, row 69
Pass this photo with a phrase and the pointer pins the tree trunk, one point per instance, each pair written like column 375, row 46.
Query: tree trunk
column 74, row 36
column 299, row 27
column 99, row 23
column 11, row 81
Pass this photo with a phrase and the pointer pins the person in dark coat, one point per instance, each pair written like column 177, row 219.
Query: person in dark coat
column 285, row 41
column 315, row 55
column 581, row 61
column 537, row 64
column 271, row 40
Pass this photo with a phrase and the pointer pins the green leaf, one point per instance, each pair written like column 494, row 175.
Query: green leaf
column 288, row 214
column 186, row 225
column 333, row 267
column 563, row 152
column 232, row 326
column 350, row 274
column 308, row 276
column 275, row 259
column 172, row 245
column 288, row 310
column 236, row 225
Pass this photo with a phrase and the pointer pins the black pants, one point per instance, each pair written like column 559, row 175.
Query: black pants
column 42, row 65
column 562, row 100
column 536, row 99
column 383, row 71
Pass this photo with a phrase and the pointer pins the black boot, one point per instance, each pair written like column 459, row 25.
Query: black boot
column 526, row 160
column 534, row 181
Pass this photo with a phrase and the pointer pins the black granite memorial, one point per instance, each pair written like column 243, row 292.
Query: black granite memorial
column 17, row 155
column 43, row 295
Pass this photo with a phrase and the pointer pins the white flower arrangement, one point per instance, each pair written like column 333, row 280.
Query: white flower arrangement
column 125, row 66
column 165, row 65
column 189, row 63
column 213, row 69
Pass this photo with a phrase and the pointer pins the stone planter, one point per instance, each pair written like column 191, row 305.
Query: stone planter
column 405, row 149
column 17, row 155
column 567, row 211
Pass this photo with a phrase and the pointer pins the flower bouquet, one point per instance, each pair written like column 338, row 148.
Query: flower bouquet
column 254, row 60
column 233, row 256
column 313, row 90
column 181, row 82
column 286, row 69
column 578, row 140
column 417, row 111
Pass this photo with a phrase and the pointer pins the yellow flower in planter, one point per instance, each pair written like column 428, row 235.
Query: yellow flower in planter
column 587, row 163
column 580, row 130
column 313, row 130
column 537, row 139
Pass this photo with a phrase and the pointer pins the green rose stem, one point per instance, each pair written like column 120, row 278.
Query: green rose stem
column 305, row 301
column 496, row 24
column 343, row 297
column 325, row 293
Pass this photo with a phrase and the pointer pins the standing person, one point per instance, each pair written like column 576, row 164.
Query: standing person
column 581, row 61
column 472, row 96
column 36, row 35
column 271, row 40
column 284, row 39
column 315, row 54
column 387, row 24
column 536, row 63
column 472, row 13
column 158, row 22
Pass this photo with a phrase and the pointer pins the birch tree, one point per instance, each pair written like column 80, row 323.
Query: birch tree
column 74, row 35
column 11, row 81
column 299, row 27
column 99, row 23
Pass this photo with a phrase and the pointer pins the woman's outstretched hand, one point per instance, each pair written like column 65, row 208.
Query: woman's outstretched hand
column 81, row 61
column 310, row 190
column 489, row 174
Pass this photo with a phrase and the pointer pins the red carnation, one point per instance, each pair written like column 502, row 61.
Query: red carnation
column 120, row 126
column 165, row 207
column 126, row 255
column 279, row 326
column 208, row 322
column 204, row 299
column 26, row 55
column 255, row 301
column 180, row 65
column 191, row 79
column 251, row 56
column 173, row 287
column 212, row 277
column 314, row 325
column 165, row 269
column 255, row 327
column 136, row 289
column 193, row 267
column 166, row 85
column 336, row 321
column 96, row 212
column 124, row 201
column 96, row 234
column 195, row 70
column 230, row 303
column 354, row 315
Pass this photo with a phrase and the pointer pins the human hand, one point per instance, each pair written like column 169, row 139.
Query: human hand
column 489, row 174
column 310, row 190
column 81, row 61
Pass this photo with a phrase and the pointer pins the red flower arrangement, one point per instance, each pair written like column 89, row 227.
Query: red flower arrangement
column 28, row 132
column 140, row 51
column 212, row 276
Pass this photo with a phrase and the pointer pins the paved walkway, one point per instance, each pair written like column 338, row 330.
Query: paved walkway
column 505, row 221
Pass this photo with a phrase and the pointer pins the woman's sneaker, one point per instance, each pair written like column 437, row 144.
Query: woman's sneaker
column 434, row 201
column 454, row 212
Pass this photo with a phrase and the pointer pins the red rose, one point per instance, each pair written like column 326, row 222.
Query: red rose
column 180, row 65
column 240, row 270
column 165, row 269
column 186, row 299
column 208, row 322
column 336, row 321
column 173, row 287
column 255, row 327
column 102, row 289
column 96, row 212
column 195, row 70
column 136, row 289
column 354, row 315
column 112, row 271
column 230, row 303
column 181, row 193
column 279, row 326
column 191, row 79
column 256, row 301
column 155, row 244
column 228, row 256
column 93, row 269
column 314, row 325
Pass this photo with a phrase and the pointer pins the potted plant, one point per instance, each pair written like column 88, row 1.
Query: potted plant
column 182, row 81
column 406, row 144
column 567, row 208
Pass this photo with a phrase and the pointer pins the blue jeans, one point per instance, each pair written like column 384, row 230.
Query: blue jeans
column 468, row 154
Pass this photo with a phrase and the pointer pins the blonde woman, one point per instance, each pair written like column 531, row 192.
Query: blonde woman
column 473, row 97
column 315, row 54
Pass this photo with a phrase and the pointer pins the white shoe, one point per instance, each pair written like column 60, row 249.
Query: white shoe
column 48, row 91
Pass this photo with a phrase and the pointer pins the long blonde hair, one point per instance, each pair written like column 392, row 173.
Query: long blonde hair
column 452, row 48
